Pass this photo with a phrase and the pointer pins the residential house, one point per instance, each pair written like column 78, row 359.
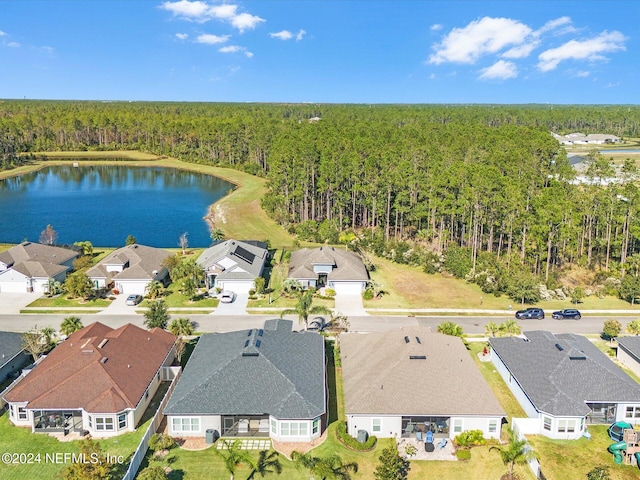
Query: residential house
column 12, row 356
column 582, row 139
column 409, row 380
column 99, row 380
column 268, row 382
column 130, row 269
column 628, row 353
column 565, row 382
column 30, row 266
column 233, row 265
column 341, row 270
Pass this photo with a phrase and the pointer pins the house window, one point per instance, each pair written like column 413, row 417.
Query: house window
column 571, row 426
column 376, row 424
column 284, row 428
column 122, row 421
column 547, row 423
column 294, row 429
column 316, row 426
column 22, row 413
column 493, row 426
column 633, row 412
column 90, row 422
column 12, row 411
column 104, row 424
column 274, row 427
column 457, row 425
column 185, row 424
column 304, row 429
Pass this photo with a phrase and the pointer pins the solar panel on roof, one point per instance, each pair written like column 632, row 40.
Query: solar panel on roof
column 406, row 339
column 258, row 342
column 417, row 357
column 245, row 255
column 260, row 332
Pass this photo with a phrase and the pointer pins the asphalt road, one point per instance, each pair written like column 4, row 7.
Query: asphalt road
column 210, row 323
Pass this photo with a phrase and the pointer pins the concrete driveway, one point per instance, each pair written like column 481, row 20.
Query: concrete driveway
column 349, row 304
column 118, row 307
column 11, row 303
column 237, row 307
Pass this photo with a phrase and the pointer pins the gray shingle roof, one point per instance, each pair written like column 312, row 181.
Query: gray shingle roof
column 36, row 252
column 10, row 346
column 284, row 376
column 246, row 259
column 381, row 378
column 345, row 265
column 142, row 260
column 631, row 345
column 560, row 373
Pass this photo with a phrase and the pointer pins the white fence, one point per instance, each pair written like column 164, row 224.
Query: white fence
column 522, row 426
column 168, row 373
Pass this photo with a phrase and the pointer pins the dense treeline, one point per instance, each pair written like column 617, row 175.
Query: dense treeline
column 413, row 179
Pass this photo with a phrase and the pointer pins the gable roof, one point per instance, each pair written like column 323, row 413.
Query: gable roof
column 235, row 260
column 558, row 372
column 142, row 262
column 346, row 266
column 381, row 378
column 97, row 368
column 631, row 345
column 37, row 252
column 10, row 346
column 271, row 371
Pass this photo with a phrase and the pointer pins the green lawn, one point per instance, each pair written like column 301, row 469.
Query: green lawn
column 174, row 299
column 21, row 440
column 63, row 301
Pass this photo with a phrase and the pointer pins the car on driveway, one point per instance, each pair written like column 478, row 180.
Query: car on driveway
column 133, row 300
column 567, row 313
column 530, row 313
column 227, row 297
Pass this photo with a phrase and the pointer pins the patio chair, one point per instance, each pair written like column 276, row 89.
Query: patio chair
column 442, row 443
column 243, row 426
column 429, row 437
column 419, row 435
column 264, row 425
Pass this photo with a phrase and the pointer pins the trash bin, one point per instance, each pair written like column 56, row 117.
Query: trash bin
column 362, row 436
column 210, row 436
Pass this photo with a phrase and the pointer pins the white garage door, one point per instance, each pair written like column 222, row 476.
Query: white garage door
column 13, row 287
column 237, row 287
column 348, row 288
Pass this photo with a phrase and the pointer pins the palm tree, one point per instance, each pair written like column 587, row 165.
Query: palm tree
column 217, row 234
column 303, row 308
column 268, row 462
column 233, row 456
column 510, row 327
column 491, row 328
column 325, row 468
column 181, row 326
column 450, row 328
column 516, row 452
column 154, row 289
column 48, row 334
column 70, row 325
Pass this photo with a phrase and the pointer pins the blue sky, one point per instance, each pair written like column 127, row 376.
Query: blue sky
column 373, row 51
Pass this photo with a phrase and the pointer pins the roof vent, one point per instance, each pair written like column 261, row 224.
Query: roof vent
column 559, row 347
column 88, row 350
column 103, row 360
column 246, row 344
column 406, row 339
column 577, row 357
column 418, row 340
column 128, row 366
column 417, row 357
column 250, row 332
column 258, row 342
column 103, row 343
column 250, row 354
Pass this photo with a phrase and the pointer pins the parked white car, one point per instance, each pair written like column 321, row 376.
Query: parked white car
column 227, row 297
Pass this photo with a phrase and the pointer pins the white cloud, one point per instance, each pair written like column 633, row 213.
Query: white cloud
column 245, row 21
column 554, row 24
column 432, row 76
column 2, row 34
column 590, row 50
column 435, row 27
column 301, row 33
column 182, row 36
column 47, row 49
column 521, row 51
column 209, row 39
column 612, row 85
column 582, row 73
column 235, row 49
column 500, row 70
column 480, row 37
column 13, row 44
column 282, row 35
column 201, row 12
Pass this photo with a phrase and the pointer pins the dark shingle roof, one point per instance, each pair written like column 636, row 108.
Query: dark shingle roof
column 284, row 376
column 560, row 373
column 10, row 346
column 631, row 345
column 235, row 260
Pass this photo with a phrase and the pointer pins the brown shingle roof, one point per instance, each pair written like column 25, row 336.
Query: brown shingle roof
column 345, row 265
column 36, row 252
column 380, row 378
column 142, row 260
column 74, row 374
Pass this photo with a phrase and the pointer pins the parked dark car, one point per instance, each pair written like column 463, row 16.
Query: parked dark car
column 530, row 313
column 568, row 313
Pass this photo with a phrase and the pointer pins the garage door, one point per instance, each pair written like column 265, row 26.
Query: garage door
column 348, row 288
column 237, row 287
column 13, row 287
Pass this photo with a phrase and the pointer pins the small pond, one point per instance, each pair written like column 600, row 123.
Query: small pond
column 106, row 203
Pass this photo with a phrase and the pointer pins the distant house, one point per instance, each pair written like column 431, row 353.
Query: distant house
column 582, row 139
column 130, row 269
column 565, row 383
column 233, row 265
column 29, row 267
column 12, row 355
column 338, row 269
column 268, row 382
column 628, row 353
column 403, row 381
column 99, row 380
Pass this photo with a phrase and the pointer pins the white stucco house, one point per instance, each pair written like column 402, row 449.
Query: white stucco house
column 564, row 383
column 579, row 138
column 341, row 270
column 402, row 381
column 99, row 380
column 233, row 265
column 267, row 382
column 130, row 269
column 30, row 266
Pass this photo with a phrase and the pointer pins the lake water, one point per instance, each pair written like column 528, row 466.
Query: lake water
column 105, row 204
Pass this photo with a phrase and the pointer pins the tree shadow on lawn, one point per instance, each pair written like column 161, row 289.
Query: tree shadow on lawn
column 331, row 382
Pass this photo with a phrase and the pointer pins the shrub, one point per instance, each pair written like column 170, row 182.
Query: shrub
column 161, row 441
column 368, row 294
column 463, row 454
column 470, row 438
column 329, row 292
column 349, row 441
column 252, row 292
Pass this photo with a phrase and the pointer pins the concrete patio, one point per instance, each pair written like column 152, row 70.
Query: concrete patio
column 446, row 453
